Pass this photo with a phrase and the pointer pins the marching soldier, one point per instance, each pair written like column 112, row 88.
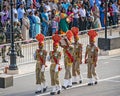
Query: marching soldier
column 68, row 58
column 77, row 57
column 17, row 37
column 3, row 47
column 40, row 56
column 55, row 57
column 91, row 56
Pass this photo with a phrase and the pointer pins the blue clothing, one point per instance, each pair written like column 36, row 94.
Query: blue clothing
column 45, row 24
column 37, row 25
column 102, row 16
column 20, row 13
column 65, row 6
column 92, row 2
column 32, row 26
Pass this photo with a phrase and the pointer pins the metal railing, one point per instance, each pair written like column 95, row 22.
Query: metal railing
column 29, row 47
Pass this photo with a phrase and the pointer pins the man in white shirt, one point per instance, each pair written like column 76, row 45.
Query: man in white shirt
column 76, row 16
column 82, row 13
column 53, row 5
column 116, row 11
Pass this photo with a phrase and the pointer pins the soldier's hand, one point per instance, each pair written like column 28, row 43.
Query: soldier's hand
column 80, row 62
column 95, row 65
column 85, row 61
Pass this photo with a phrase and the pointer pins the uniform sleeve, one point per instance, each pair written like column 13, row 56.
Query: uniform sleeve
column 59, row 55
column 96, row 54
column 45, row 53
column 87, row 47
column 34, row 55
column 50, row 54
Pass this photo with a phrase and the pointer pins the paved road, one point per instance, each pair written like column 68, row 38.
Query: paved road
column 108, row 70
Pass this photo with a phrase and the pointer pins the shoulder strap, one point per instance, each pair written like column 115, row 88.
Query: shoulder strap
column 69, row 55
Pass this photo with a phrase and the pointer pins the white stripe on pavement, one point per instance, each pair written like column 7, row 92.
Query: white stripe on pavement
column 75, row 86
column 114, row 81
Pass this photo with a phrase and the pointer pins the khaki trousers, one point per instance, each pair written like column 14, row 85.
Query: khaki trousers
column 40, row 78
column 91, row 70
column 76, row 68
column 68, row 72
column 54, row 75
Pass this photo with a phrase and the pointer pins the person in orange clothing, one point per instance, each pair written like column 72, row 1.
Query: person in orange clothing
column 91, row 56
column 68, row 58
column 77, row 57
column 55, row 57
column 40, row 55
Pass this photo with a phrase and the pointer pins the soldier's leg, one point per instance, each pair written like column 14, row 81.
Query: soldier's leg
column 8, row 53
column 3, row 54
column 38, row 81
column 74, row 75
column 66, row 78
column 94, row 73
column 70, row 76
column 77, row 67
column 42, row 76
column 52, row 74
column 20, row 49
column 89, row 74
column 57, row 82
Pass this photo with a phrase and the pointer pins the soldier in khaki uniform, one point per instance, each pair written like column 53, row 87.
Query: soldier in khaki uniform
column 68, row 58
column 77, row 57
column 55, row 57
column 91, row 56
column 17, row 37
column 40, row 56
column 3, row 47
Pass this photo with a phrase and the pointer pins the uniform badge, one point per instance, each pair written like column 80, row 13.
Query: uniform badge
column 55, row 55
column 41, row 53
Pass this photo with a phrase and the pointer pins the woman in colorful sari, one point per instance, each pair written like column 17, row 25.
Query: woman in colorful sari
column 64, row 26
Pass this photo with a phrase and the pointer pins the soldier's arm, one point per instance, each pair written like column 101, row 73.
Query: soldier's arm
column 50, row 55
column 34, row 55
column 59, row 56
column 86, row 54
column 20, row 33
column 80, row 53
column 96, row 56
column 45, row 54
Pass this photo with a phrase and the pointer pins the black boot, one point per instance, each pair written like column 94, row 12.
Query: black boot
column 96, row 82
column 21, row 56
column 58, row 92
column 52, row 93
column 64, row 87
column 90, row 84
column 80, row 81
column 4, row 61
column 44, row 89
column 38, row 92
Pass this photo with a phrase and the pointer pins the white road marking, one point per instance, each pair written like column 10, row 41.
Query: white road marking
column 23, row 75
column 116, row 81
column 106, row 62
column 116, row 59
column 75, row 86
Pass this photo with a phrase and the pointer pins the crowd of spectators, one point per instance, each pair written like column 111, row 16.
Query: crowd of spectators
column 57, row 16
